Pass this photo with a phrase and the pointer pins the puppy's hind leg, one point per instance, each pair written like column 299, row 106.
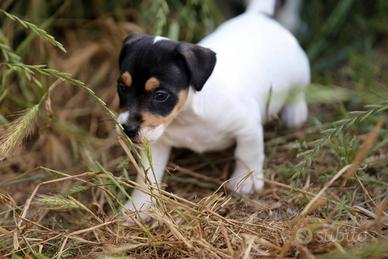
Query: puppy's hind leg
column 295, row 111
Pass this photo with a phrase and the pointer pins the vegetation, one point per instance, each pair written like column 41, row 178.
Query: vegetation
column 65, row 172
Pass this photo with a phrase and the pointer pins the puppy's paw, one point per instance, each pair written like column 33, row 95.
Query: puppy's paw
column 137, row 208
column 246, row 184
column 130, row 217
column 294, row 115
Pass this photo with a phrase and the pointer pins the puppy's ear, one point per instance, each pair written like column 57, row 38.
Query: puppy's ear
column 131, row 38
column 200, row 63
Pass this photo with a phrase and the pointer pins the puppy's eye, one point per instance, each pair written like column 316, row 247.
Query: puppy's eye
column 160, row 96
column 121, row 88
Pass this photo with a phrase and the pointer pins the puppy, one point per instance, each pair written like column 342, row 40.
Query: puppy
column 212, row 95
column 287, row 13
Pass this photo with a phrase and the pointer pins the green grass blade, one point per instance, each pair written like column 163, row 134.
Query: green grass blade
column 38, row 31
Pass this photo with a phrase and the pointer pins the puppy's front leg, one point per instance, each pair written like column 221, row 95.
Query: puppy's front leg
column 249, row 154
column 150, row 180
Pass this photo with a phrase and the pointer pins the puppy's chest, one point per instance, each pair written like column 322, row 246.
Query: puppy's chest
column 198, row 135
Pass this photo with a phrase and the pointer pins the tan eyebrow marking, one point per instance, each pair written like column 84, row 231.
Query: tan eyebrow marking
column 127, row 78
column 151, row 84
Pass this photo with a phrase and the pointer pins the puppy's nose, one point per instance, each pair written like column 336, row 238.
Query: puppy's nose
column 131, row 129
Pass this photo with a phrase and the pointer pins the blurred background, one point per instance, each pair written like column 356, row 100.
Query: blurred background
column 49, row 127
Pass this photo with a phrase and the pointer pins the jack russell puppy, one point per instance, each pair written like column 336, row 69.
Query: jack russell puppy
column 212, row 95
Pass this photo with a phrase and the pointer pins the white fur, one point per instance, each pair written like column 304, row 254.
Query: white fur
column 260, row 70
column 123, row 117
column 152, row 134
column 263, row 6
column 159, row 38
column 288, row 15
column 141, row 201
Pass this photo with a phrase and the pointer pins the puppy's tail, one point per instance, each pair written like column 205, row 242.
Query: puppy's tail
column 261, row 6
column 286, row 12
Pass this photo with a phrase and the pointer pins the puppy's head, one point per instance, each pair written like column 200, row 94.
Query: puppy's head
column 155, row 76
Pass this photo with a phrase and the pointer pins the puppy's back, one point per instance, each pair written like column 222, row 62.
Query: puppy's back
column 255, row 51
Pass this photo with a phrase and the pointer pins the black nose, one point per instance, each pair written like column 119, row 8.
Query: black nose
column 131, row 130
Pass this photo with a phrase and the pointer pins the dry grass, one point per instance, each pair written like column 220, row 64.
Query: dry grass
column 61, row 191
